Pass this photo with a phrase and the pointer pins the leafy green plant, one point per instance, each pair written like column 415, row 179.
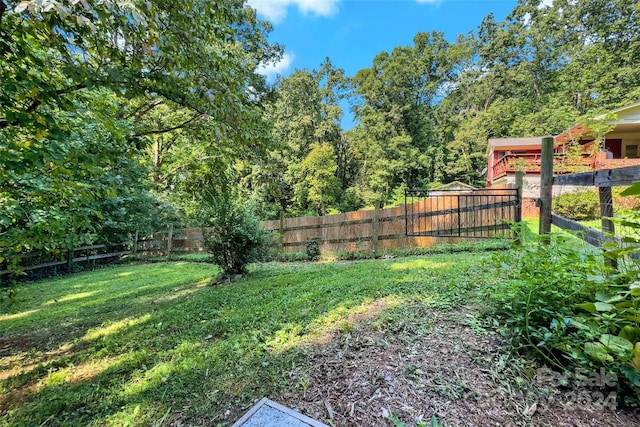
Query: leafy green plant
column 235, row 237
column 608, row 325
column 566, row 306
column 577, row 206
column 312, row 249
column 397, row 422
column 537, row 287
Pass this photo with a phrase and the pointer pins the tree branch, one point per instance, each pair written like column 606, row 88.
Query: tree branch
column 145, row 108
column 4, row 123
column 3, row 9
column 159, row 131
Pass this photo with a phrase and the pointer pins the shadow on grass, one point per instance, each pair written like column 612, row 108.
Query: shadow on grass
column 153, row 343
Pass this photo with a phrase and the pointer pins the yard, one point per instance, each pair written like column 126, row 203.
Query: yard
column 383, row 342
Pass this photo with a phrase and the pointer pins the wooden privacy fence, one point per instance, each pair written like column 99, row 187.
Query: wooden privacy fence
column 416, row 224
column 435, row 219
column 373, row 230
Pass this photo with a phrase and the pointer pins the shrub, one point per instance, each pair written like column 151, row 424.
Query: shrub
column 538, row 287
column 312, row 249
column 293, row 256
column 271, row 250
column 235, row 237
column 624, row 205
column 577, row 206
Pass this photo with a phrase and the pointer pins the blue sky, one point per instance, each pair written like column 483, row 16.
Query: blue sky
column 352, row 32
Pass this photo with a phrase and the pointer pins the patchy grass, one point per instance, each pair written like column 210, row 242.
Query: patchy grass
column 153, row 344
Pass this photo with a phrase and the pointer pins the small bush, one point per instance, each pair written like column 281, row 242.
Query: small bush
column 312, row 249
column 537, row 288
column 624, row 205
column 235, row 237
column 578, row 206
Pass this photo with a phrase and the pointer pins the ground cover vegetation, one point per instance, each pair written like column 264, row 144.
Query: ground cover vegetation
column 574, row 306
column 142, row 343
column 403, row 341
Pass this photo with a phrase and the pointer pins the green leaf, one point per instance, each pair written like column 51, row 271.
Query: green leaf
column 588, row 306
column 630, row 333
column 632, row 190
column 609, row 298
column 598, row 352
column 604, row 306
column 634, row 288
column 596, row 307
column 618, row 345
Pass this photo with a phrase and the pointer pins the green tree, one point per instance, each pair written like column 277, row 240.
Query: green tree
column 305, row 114
column 318, row 188
column 397, row 116
column 87, row 87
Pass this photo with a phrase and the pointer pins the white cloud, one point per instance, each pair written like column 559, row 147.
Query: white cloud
column 276, row 10
column 271, row 70
column 545, row 3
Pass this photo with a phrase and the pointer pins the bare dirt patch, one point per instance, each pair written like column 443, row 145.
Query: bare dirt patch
column 439, row 365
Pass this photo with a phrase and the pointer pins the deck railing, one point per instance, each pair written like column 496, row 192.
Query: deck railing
column 530, row 163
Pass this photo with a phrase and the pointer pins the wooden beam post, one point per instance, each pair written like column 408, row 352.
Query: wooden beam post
column 606, row 212
column 169, row 241
column 518, row 212
column 281, row 231
column 71, row 252
column 546, row 188
column 374, row 228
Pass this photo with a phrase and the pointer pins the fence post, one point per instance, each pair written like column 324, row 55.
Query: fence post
column 518, row 212
column 169, row 238
column 546, row 188
column 374, row 227
column 281, row 231
column 135, row 245
column 70, row 259
column 606, row 212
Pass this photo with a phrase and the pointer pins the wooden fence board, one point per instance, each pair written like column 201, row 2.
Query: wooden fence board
column 602, row 178
column 589, row 235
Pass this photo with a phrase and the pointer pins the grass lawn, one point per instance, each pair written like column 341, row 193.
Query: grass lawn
column 387, row 342
column 147, row 344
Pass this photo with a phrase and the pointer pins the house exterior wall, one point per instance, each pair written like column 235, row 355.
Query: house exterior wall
column 531, row 186
column 628, row 139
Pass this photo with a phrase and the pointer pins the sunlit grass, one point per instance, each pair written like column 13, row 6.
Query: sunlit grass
column 141, row 344
column 112, row 327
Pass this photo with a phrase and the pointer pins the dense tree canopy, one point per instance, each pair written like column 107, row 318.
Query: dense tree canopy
column 108, row 107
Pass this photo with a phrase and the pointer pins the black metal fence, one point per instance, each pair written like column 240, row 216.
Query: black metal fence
column 454, row 213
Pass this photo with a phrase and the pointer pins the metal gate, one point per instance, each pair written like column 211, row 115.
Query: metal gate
column 455, row 213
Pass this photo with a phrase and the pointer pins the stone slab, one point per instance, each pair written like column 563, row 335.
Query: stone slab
column 268, row 413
